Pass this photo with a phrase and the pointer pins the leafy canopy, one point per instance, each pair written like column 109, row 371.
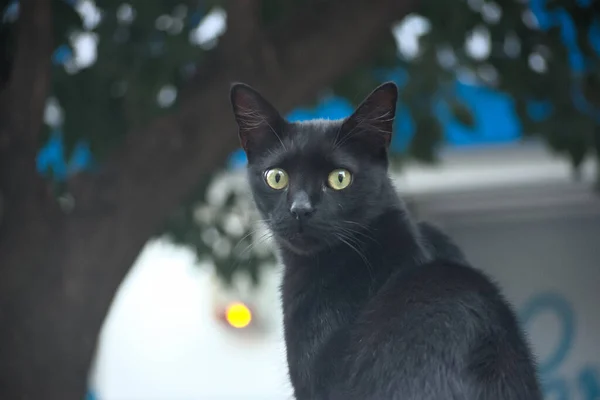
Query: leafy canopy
column 119, row 64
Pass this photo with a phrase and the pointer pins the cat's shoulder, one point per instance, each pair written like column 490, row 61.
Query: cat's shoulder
column 452, row 275
column 442, row 283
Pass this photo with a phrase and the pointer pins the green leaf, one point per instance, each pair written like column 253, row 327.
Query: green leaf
column 357, row 84
column 554, row 5
column 591, row 88
column 577, row 151
column 427, row 138
column 461, row 112
column 66, row 21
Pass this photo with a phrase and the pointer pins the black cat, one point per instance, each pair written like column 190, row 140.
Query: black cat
column 375, row 305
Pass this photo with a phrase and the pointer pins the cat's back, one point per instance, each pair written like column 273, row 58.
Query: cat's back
column 442, row 291
column 443, row 326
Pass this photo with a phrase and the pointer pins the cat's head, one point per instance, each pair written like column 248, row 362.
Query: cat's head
column 317, row 183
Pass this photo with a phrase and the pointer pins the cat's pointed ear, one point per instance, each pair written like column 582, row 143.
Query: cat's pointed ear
column 258, row 121
column 372, row 122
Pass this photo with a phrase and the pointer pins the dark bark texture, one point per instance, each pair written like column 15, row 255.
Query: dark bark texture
column 59, row 270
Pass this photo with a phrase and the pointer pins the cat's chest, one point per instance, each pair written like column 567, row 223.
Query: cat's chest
column 328, row 289
column 321, row 306
column 318, row 308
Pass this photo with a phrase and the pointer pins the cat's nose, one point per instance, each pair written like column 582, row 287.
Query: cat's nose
column 301, row 207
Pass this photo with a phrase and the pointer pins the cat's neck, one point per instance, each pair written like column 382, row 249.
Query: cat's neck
column 323, row 293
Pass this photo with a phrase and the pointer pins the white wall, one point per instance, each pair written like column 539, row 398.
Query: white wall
column 161, row 340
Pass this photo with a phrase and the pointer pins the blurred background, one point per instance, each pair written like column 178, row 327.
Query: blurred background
column 146, row 213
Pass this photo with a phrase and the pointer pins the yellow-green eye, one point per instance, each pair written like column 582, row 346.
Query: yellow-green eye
column 339, row 179
column 276, row 178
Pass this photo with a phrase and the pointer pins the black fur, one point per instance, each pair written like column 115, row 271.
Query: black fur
column 375, row 305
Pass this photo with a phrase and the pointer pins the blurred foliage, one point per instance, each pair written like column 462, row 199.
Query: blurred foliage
column 534, row 58
column 537, row 63
column 222, row 225
column 148, row 49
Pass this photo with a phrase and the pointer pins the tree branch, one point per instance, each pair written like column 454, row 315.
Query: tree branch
column 27, row 214
column 243, row 23
column 25, row 96
column 30, row 281
column 24, row 202
column 22, row 103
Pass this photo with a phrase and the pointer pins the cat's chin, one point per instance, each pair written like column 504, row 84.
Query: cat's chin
column 302, row 244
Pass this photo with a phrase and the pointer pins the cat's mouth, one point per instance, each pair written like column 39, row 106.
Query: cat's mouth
column 302, row 243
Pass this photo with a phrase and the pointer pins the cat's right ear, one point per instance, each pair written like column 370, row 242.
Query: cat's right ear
column 372, row 122
column 258, row 121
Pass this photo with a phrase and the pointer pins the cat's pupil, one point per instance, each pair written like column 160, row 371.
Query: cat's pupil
column 277, row 177
column 341, row 177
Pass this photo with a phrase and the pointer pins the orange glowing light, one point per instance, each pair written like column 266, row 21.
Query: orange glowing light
column 238, row 315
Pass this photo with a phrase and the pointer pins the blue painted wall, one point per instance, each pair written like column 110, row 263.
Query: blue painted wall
column 586, row 384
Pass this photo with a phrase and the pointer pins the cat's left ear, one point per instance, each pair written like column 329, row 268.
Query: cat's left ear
column 373, row 120
column 258, row 121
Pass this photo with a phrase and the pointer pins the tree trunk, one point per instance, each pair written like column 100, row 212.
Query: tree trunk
column 59, row 269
